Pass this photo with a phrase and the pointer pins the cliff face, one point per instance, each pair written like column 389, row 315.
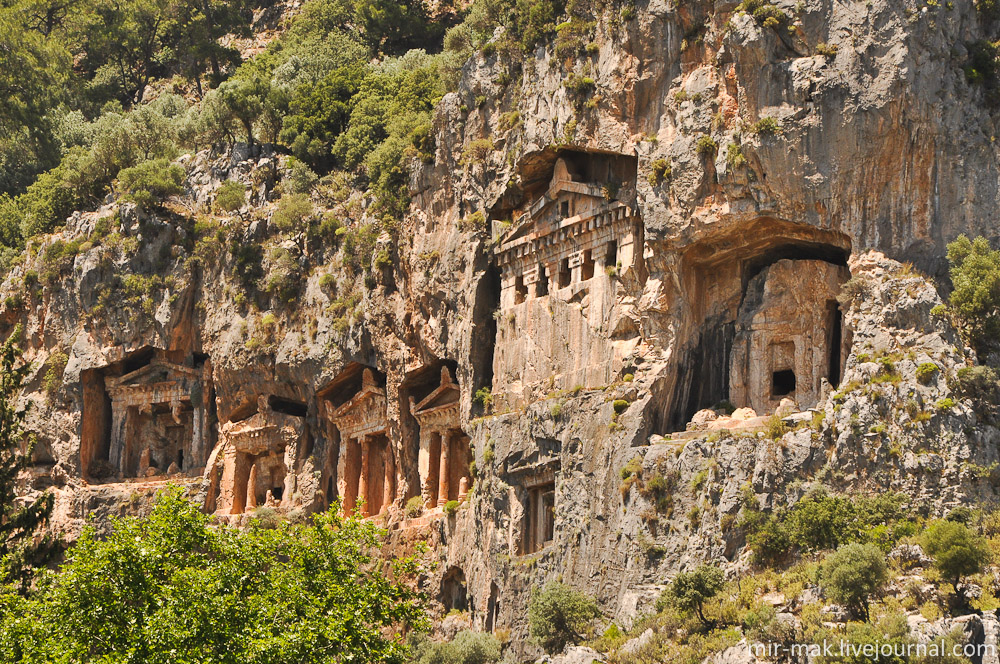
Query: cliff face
column 615, row 235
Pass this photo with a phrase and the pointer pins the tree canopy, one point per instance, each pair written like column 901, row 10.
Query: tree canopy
column 171, row 587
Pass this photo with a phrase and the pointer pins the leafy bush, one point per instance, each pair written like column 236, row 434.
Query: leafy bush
column 451, row 507
column 231, row 196
column 975, row 275
column 853, row 573
column 292, row 212
column 690, row 590
column 764, row 12
column 559, row 615
column 620, row 406
column 821, row 521
column 151, row 182
column 956, row 550
column 468, row 647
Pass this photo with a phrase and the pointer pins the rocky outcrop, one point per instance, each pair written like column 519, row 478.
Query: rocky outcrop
column 696, row 213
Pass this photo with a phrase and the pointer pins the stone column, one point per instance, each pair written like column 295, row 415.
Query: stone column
column 116, row 452
column 388, row 481
column 252, row 488
column 443, row 469
column 363, row 479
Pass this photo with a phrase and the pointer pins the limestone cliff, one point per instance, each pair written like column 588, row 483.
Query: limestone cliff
column 609, row 241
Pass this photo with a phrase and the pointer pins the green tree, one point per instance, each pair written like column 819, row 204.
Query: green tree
column 232, row 196
column 174, row 588
column 975, row 275
column 956, row 550
column 19, row 521
column 853, row 573
column 559, row 615
column 690, row 590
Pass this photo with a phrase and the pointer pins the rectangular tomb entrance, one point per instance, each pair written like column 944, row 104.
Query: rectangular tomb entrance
column 159, row 419
column 250, row 466
column 444, row 448
column 366, row 469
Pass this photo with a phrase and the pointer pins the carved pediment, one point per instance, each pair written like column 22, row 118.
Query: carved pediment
column 365, row 412
column 440, row 407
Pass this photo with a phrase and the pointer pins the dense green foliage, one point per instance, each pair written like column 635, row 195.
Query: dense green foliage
column 19, row 521
column 956, row 550
column 853, row 573
column 467, row 647
column 975, row 276
column 172, row 588
column 822, row 521
column 690, row 590
column 559, row 615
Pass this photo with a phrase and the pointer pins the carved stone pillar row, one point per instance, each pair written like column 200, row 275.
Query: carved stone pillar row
column 443, row 469
column 363, row 479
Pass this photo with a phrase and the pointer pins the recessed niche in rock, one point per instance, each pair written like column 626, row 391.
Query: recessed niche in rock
column 765, row 324
column 149, row 414
column 571, row 255
column 538, row 523
column 444, row 455
column 788, row 335
column 366, row 467
column 250, row 467
column 454, row 592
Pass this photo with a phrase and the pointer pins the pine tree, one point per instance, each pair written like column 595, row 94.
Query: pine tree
column 20, row 549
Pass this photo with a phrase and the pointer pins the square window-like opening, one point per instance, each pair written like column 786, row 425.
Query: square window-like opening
column 564, row 209
column 565, row 274
column 542, row 285
column 520, row 290
column 782, row 383
column 587, row 267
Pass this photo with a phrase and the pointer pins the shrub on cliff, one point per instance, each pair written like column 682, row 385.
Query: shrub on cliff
column 171, row 587
column 975, row 275
column 150, row 182
column 690, row 590
column 956, row 550
column 852, row 574
column 559, row 615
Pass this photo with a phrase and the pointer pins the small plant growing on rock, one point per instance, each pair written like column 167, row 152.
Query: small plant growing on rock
column 414, row 507
column 292, row 212
column 477, row 151
column 451, row 507
column 766, row 126
column 734, row 156
column 925, row 372
column 559, row 616
column 826, row 50
column 776, row 427
column 706, row 146
column 659, row 170
column 620, row 406
column 854, row 290
column 484, row 398
column 947, row 403
column 55, row 366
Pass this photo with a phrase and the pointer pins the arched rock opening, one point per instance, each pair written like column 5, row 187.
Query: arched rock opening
column 763, row 321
